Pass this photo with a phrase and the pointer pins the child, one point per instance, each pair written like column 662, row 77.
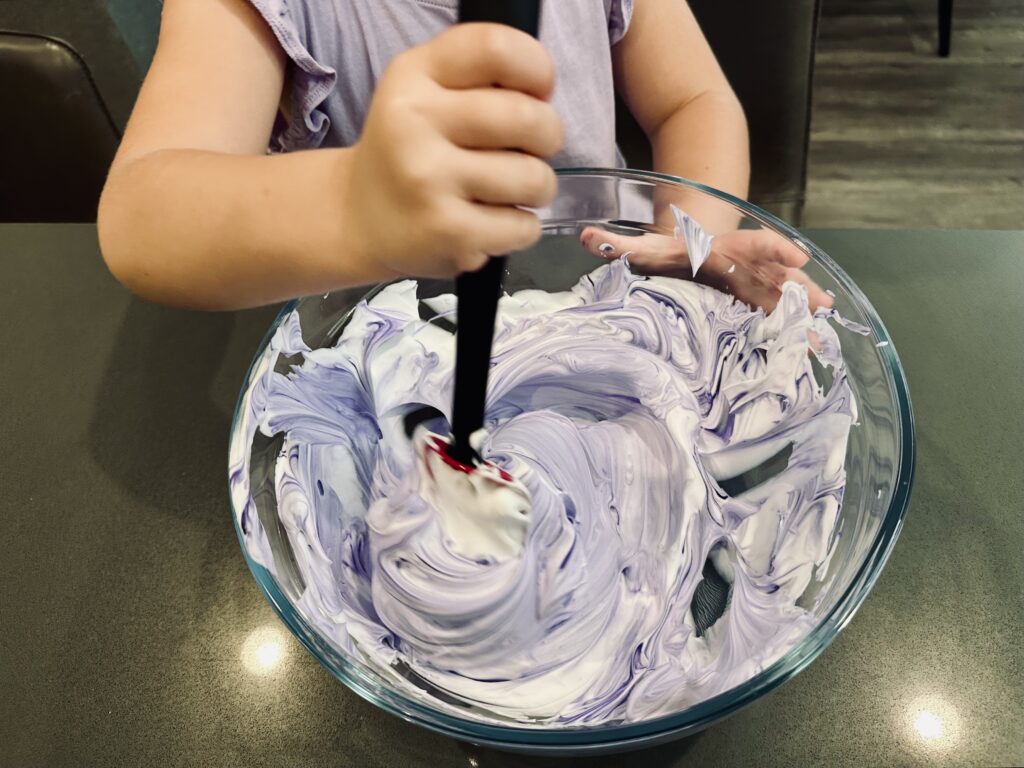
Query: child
column 464, row 124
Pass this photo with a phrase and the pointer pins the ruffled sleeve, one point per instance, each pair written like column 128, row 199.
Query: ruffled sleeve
column 620, row 12
column 301, row 123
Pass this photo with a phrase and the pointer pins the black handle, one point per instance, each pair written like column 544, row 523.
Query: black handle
column 478, row 292
column 524, row 15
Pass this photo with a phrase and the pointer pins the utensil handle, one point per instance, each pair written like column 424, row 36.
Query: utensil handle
column 478, row 291
column 478, row 304
column 524, row 15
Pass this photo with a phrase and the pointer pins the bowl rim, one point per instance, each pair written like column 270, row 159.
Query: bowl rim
column 605, row 737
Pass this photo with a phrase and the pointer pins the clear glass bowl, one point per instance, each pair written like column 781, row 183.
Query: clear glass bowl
column 879, row 461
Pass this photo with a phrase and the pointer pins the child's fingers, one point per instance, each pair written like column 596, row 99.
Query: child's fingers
column 816, row 296
column 759, row 247
column 487, row 55
column 791, row 255
column 647, row 254
column 776, row 249
column 498, row 229
column 507, row 178
column 484, row 231
column 492, row 118
column 605, row 245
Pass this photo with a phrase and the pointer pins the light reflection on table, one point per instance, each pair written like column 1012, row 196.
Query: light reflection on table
column 932, row 724
column 264, row 649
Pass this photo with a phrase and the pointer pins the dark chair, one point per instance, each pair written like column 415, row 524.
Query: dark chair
column 767, row 52
column 67, row 84
column 57, row 137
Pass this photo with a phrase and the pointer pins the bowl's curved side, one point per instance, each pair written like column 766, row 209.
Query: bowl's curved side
column 618, row 737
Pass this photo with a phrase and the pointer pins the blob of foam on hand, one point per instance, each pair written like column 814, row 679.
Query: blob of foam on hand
column 483, row 511
column 698, row 242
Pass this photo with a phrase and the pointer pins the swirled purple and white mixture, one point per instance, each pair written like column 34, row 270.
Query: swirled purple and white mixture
column 617, row 415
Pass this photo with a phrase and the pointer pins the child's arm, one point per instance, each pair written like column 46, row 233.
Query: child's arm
column 669, row 78
column 672, row 84
column 194, row 213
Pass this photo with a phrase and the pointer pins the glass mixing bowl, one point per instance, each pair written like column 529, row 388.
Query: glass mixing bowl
column 879, row 460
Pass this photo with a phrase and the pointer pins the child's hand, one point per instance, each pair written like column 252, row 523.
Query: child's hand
column 451, row 145
column 750, row 264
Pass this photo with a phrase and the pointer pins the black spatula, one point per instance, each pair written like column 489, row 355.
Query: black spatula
column 478, row 291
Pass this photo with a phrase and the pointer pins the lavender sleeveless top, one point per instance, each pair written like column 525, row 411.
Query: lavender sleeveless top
column 338, row 48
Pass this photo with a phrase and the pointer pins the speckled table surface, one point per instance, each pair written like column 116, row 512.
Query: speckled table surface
column 131, row 632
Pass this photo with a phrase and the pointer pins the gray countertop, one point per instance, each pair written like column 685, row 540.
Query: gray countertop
column 131, row 632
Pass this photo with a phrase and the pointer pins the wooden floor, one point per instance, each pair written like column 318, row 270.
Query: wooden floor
column 902, row 138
